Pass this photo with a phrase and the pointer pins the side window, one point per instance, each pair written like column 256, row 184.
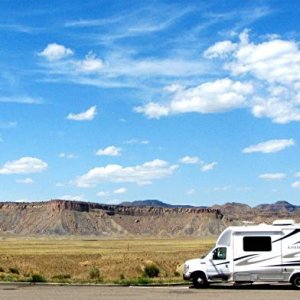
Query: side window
column 219, row 253
column 257, row 243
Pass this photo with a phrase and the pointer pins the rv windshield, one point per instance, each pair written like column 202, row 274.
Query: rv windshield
column 225, row 238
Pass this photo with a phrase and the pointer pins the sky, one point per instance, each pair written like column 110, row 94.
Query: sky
column 188, row 102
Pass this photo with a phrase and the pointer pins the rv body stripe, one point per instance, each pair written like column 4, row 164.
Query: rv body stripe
column 249, row 262
column 285, row 265
column 239, row 258
column 288, row 235
column 223, row 263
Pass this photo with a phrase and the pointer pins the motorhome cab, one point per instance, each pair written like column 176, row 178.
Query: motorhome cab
column 268, row 253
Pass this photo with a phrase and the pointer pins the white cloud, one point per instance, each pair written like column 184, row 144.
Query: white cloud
column 90, row 64
column 24, row 165
column 103, row 194
column 84, row 116
column 139, row 174
column 189, row 160
column 191, row 192
column 109, row 151
column 274, row 67
column 296, row 184
column 174, row 87
column 210, row 97
column 153, row 110
column 272, row 176
column 54, row 52
column 67, row 155
column 21, row 100
column 209, row 167
column 270, row 146
column 25, row 181
column 222, row 188
column 273, row 61
column 73, row 197
column 297, row 174
column 120, row 191
column 136, row 141
column 220, row 49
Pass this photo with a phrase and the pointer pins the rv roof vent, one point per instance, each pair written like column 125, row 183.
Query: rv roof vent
column 283, row 222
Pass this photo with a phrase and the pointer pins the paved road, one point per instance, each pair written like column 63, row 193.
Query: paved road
column 43, row 292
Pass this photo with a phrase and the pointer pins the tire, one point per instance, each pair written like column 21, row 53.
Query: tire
column 296, row 281
column 199, row 281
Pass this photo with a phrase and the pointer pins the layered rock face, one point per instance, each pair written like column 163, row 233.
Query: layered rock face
column 71, row 217
column 62, row 217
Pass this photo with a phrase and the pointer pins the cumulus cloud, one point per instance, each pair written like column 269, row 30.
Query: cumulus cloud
column 209, row 167
column 210, row 97
column 272, row 176
column 274, row 67
column 73, row 197
column 296, row 184
column 120, row 191
column 103, row 194
column 139, row 174
column 189, row 160
column 90, row 64
column 109, row 151
column 270, row 146
column 54, row 52
column 24, row 165
column 220, row 49
column 25, row 181
column 87, row 115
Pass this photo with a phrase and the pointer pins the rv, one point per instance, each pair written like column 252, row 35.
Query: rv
column 252, row 253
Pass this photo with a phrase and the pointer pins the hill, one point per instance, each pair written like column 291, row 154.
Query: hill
column 154, row 203
column 63, row 217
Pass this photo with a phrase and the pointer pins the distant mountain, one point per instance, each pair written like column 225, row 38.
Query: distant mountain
column 155, row 203
column 279, row 206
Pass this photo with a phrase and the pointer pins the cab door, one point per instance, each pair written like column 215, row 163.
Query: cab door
column 218, row 264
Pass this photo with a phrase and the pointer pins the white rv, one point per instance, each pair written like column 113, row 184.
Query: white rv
column 268, row 253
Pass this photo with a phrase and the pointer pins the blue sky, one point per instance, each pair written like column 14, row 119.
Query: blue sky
column 189, row 102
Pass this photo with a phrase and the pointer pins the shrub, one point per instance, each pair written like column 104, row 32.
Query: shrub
column 61, row 277
column 94, row 273
column 176, row 274
column 37, row 278
column 14, row 271
column 142, row 280
column 2, row 270
column 122, row 276
column 151, row 271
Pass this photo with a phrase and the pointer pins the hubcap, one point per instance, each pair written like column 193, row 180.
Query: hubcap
column 199, row 280
column 297, row 281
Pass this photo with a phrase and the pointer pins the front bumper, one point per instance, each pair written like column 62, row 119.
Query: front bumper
column 186, row 276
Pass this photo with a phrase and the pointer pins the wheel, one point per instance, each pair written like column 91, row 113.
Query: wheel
column 199, row 280
column 296, row 281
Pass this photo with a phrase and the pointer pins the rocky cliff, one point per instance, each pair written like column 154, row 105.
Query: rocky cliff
column 71, row 217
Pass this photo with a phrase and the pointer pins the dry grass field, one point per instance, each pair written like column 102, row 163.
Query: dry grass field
column 78, row 259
